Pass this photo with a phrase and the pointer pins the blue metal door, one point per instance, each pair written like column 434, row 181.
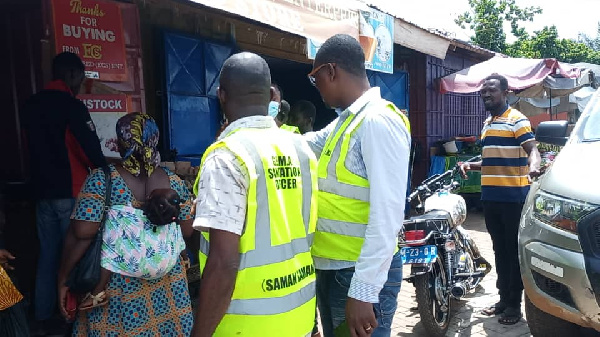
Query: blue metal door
column 394, row 87
column 192, row 76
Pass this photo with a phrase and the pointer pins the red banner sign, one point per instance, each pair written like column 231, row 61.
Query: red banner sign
column 105, row 103
column 93, row 30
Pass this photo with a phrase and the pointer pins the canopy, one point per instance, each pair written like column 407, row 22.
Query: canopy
column 595, row 68
column 521, row 73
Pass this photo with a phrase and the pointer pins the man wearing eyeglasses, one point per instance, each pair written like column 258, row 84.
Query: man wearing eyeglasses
column 363, row 172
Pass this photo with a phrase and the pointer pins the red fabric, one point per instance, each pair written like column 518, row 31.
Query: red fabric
column 521, row 73
column 77, row 159
column 536, row 120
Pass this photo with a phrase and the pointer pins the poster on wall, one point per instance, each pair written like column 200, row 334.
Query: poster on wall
column 106, row 111
column 376, row 37
column 93, row 30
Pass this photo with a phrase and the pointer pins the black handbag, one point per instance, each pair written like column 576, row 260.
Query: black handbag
column 86, row 274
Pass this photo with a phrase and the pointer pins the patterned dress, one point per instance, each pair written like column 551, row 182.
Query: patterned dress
column 136, row 307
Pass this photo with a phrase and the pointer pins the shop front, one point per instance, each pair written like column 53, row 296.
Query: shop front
column 163, row 57
column 185, row 44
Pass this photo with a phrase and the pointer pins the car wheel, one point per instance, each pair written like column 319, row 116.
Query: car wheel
column 543, row 324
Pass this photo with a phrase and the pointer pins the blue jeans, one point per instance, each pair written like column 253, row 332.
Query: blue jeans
column 52, row 220
column 332, row 291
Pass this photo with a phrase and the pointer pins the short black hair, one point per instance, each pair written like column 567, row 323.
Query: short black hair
column 162, row 206
column 304, row 109
column 503, row 81
column 345, row 51
column 65, row 62
column 245, row 74
column 285, row 107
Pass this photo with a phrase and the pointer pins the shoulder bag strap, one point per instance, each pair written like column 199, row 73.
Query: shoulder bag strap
column 107, row 195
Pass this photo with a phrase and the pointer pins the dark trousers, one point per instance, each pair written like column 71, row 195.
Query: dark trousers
column 502, row 222
column 332, row 292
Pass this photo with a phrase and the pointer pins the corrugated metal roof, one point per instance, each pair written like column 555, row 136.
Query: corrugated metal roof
column 386, row 7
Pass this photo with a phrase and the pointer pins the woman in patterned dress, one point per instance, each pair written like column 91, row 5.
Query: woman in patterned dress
column 154, row 302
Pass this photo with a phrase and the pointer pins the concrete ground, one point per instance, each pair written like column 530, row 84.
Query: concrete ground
column 467, row 318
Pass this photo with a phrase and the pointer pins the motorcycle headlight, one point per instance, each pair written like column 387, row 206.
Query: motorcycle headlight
column 560, row 212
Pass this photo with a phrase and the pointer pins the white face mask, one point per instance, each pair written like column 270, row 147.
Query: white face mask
column 338, row 111
column 273, row 109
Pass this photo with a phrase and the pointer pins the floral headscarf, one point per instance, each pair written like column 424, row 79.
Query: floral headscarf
column 137, row 135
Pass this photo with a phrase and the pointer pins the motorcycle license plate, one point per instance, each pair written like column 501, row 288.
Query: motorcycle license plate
column 423, row 254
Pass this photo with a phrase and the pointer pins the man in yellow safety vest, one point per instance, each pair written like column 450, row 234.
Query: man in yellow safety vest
column 363, row 172
column 301, row 117
column 257, row 191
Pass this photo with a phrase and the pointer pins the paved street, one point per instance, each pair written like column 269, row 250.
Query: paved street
column 467, row 317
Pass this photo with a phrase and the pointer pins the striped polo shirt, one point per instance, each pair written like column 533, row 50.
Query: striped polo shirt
column 504, row 167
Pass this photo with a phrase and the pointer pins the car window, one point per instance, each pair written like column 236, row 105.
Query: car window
column 590, row 120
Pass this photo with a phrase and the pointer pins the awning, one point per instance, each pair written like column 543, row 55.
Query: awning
column 317, row 20
column 419, row 39
column 521, row 74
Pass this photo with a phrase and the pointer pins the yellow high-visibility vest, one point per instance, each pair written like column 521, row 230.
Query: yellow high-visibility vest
column 343, row 195
column 290, row 128
column 275, row 289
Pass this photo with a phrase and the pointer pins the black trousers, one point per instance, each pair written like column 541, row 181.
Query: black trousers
column 502, row 222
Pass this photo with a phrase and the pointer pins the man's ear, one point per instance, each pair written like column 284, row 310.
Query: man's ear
column 272, row 94
column 221, row 95
column 332, row 71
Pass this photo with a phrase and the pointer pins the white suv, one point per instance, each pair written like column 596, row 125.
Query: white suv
column 559, row 238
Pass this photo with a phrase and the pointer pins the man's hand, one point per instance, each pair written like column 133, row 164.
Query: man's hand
column 62, row 300
column 360, row 317
column 464, row 167
column 6, row 256
column 534, row 171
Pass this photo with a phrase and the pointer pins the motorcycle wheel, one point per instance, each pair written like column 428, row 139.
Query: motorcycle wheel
column 433, row 300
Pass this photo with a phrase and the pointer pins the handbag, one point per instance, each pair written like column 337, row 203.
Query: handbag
column 9, row 295
column 86, row 274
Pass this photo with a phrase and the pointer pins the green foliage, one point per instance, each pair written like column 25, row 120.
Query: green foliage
column 593, row 43
column 545, row 43
column 486, row 18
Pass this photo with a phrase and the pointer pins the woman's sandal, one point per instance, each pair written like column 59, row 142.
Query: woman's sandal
column 495, row 309
column 97, row 300
column 510, row 316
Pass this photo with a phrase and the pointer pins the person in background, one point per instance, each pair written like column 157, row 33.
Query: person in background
column 13, row 320
column 510, row 159
column 302, row 117
column 363, row 164
column 147, row 293
column 256, row 206
column 63, row 147
column 274, row 107
column 284, row 112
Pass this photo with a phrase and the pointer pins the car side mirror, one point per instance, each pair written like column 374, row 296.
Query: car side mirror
column 553, row 132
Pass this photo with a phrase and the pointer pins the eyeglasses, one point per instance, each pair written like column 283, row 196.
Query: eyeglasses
column 311, row 75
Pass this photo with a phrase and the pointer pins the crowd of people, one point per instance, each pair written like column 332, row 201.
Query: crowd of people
column 291, row 219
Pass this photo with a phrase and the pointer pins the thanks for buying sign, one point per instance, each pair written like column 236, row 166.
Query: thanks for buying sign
column 376, row 37
column 93, row 30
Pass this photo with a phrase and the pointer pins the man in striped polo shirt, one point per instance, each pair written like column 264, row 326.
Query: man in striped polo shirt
column 510, row 159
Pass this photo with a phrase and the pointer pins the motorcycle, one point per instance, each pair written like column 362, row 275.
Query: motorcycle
column 445, row 262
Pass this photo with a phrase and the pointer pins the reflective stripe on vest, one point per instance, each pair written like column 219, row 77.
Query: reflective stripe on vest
column 276, row 276
column 343, row 195
column 290, row 128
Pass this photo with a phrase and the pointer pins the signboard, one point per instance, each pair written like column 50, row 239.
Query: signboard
column 309, row 18
column 93, row 30
column 105, row 103
column 106, row 111
column 376, row 37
